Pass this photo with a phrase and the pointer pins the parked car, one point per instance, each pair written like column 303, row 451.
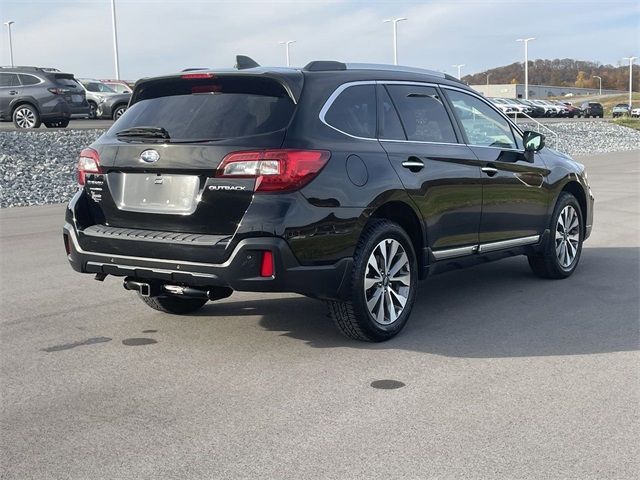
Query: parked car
column 514, row 106
column 592, row 109
column 621, row 110
column 343, row 182
column 30, row 96
column 573, row 111
column 549, row 111
column 119, row 86
column 104, row 102
column 536, row 110
column 635, row 112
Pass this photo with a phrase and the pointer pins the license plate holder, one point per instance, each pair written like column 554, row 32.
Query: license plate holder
column 156, row 193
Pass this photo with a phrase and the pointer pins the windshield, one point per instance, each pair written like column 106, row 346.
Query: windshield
column 209, row 116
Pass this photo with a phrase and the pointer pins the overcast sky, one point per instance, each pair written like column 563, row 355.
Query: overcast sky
column 168, row 35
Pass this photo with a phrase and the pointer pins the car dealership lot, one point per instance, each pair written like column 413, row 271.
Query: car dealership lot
column 506, row 375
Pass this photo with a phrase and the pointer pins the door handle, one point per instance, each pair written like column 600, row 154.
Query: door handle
column 13, row 92
column 414, row 165
column 490, row 171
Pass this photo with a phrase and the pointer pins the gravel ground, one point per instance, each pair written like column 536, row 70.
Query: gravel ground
column 37, row 168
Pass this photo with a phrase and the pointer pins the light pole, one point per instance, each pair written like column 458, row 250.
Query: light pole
column 8, row 24
column 526, row 65
column 459, row 67
column 600, row 79
column 395, row 21
column 286, row 48
column 631, row 60
column 115, row 38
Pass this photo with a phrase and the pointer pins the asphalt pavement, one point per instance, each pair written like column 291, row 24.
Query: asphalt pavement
column 502, row 375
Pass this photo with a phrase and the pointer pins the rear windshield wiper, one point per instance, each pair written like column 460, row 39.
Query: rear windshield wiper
column 144, row 132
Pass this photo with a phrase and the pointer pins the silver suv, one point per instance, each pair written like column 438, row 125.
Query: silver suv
column 104, row 102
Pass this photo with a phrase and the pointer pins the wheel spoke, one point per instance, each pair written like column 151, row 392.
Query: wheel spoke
column 402, row 300
column 393, row 249
column 400, row 263
column 391, row 309
column 404, row 279
column 374, row 299
column 370, row 282
column 373, row 263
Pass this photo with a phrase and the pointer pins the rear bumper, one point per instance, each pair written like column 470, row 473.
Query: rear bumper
column 241, row 271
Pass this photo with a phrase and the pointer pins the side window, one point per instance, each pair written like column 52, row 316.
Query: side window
column 483, row 125
column 29, row 80
column 354, row 111
column 9, row 80
column 422, row 113
column 390, row 127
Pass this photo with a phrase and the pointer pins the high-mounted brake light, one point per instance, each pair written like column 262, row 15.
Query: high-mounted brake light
column 274, row 170
column 192, row 76
column 88, row 162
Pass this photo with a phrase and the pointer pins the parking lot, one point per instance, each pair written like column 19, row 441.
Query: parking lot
column 505, row 375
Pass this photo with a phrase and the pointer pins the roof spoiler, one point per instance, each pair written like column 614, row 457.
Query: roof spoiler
column 243, row 62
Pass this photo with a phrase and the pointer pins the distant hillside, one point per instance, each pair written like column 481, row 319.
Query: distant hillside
column 561, row 72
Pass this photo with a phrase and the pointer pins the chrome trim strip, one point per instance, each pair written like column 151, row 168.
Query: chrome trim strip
column 332, row 98
column 454, row 252
column 515, row 242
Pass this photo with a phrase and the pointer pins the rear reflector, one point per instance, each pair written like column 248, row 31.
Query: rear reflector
column 88, row 162
column 274, row 170
column 266, row 268
column 67, row 246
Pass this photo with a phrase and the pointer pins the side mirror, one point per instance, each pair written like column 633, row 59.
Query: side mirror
column 533, row 141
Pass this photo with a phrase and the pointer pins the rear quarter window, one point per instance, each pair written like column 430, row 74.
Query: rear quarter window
column 354, row 111
column 27, row 80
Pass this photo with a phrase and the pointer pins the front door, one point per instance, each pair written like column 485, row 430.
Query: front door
column 514, row 188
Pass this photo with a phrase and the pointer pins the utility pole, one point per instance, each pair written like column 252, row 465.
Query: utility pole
column 631, row 60
column 286, row 48
column 115, row 38
column 395, row 21
column 526, row 65
column 459, row 67
column 8, row 24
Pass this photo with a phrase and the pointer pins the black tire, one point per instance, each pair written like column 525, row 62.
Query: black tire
column 546, row 263
column 93, row 111
column 352, row 316
column 175, row 305
column 26, row 116
column 119, row 110
column 57, row 124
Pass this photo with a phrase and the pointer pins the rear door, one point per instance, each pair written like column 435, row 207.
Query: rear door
column 10, row 90
column 514, row 189
column 171, row 184
column 441, row 174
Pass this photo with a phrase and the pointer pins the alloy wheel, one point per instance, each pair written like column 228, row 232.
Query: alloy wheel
column 567, row 236
column 25, row 118
column 387, row 281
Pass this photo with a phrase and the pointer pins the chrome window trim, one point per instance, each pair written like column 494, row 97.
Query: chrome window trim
column 484, row 247
column 17, row 77
column 332, row 98
column 40, row 80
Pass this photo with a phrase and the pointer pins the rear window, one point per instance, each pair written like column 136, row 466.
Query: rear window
column 215, row 109
column 595, row 105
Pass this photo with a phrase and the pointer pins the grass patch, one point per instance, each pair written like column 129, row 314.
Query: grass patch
column 628, row 122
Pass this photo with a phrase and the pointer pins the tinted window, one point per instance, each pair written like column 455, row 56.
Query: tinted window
column 390, row 126
column 422, row 113
column 9, row 80
column 211, row 116
column 481, row 123
column 97, row 87
column 354, row 111
column 29, row 80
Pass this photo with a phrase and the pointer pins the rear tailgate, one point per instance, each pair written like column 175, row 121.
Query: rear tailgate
column 170, row 184
column 71, row 91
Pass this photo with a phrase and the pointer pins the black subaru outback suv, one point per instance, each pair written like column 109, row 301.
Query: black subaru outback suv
column 346, row 183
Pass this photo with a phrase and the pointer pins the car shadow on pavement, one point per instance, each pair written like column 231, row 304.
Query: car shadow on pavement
column 495, row 310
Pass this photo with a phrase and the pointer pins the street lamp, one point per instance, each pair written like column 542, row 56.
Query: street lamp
column 115, row 38
column 286, row 47
column 459, row 67
column 8, row 24
column 395, row 21
column 526, row 65
column 600, row 79
column 631, row 60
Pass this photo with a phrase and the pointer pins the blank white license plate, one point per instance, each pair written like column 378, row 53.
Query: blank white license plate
column 168, row 194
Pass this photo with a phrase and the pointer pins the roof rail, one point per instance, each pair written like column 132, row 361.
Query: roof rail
column 31, row 67
column 330, row 65
column 324, row 66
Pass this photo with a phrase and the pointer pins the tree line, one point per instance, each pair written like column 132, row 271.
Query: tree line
column 564, row 72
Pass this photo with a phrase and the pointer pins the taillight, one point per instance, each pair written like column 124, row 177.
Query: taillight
column 274, row 170
column 88, row 162
column 58, row 91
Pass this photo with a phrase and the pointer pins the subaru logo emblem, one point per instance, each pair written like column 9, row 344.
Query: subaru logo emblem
column 149, row 156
